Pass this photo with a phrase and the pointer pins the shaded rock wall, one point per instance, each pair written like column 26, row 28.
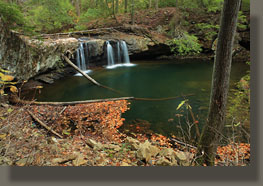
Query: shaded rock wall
column 26, row 57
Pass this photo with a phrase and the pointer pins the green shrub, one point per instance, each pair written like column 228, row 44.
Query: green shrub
column 242, row 21
column 209, row 30
column 185, row 45
column 11, row 14
column 51, row 15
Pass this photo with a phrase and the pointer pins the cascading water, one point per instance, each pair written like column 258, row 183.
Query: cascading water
column 110, row 56
column 78, row 58
column 82, row 59
column 125, row 52
column 123, row 58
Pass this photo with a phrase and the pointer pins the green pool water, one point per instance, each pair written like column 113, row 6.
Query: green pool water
column 148, row 79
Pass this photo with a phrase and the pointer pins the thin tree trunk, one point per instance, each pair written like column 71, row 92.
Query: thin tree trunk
column 117, row 6
column 125, row 6
column 156, row 4
column 150, row 3
column 113, row 8
column 211, row 133
column 77, row 5
column 132, row 13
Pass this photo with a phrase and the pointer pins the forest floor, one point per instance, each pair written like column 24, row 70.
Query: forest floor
column 90, row 137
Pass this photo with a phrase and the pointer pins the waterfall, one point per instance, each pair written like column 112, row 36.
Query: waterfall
column 83, row 61
column 122, row 53
column 125, row 52
column 110, row 56
column 78, row 58
column 82, row 58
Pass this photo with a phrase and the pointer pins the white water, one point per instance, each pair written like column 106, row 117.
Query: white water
column 122, row 53
column 81, row 59
column 125, row 52
column 110, row 56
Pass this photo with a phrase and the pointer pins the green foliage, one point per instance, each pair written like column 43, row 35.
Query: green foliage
column 245, row 6
column 167, row 3
column 11, row 14
column 185, row 45
column 90, row 14
column 242, row 21
column 239, row 101
column 214, row 5
column 51, row 15
column 209, row 30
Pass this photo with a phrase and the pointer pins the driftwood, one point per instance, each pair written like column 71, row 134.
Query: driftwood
column 44, row 125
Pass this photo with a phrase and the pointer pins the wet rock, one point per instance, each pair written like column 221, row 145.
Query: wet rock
column 45, row 78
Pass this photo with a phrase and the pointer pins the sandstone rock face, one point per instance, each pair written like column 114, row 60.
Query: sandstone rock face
column 26, row 57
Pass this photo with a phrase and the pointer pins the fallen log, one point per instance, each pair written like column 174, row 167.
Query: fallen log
column 14, row 99
column 90, row 78
column 80, row 71
column 81, row 102
column 44, row 125
column 84, row 32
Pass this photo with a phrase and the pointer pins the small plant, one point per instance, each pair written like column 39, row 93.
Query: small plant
column 186, row 44
column 187, row 132
column 209, row 30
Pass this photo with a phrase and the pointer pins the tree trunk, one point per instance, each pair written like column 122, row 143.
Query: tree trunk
column 211, row 133
column 77, row 5
column 113, row 8
column 156, row 4
column 150, row 3
column 125, row 6
column 117, row 6
column 132, row 13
